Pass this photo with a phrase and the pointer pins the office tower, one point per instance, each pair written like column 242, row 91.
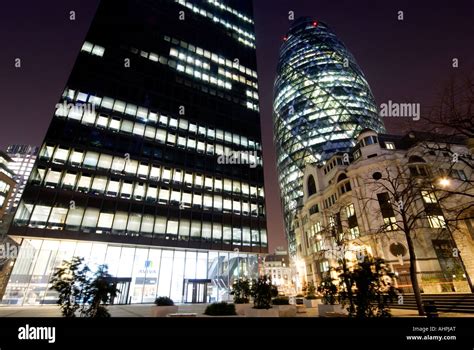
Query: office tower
column 152, row 162
column 23, row 158
column 321, row 102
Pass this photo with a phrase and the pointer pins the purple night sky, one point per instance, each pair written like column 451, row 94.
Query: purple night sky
column 404, row 61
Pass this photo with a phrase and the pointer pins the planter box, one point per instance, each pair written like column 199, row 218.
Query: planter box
column 310, row 303
column 330, row 310
column 242, row 309
column 273, row 312
column 163, row 311
column 286, row 310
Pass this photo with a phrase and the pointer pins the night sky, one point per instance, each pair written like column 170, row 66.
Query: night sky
column 404, row 61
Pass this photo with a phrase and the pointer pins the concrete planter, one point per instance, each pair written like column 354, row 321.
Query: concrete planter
column 242, row 309
column 273, row 312
column 163, row 311
column 286, row 310
column 310, row 303
column 329, row 310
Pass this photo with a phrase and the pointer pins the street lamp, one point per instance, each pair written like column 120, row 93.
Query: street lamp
column 444, row 182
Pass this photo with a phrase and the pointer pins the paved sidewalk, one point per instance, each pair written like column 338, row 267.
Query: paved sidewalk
column 143, row 310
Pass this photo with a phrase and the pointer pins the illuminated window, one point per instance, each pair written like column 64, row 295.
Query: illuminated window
column 84, row 183
column 164, row 195
column 436, row 221
column 99, row 184
column 69, row 181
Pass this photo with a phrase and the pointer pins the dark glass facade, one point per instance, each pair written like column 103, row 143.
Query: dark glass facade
column 321, row 102
column 154, row 146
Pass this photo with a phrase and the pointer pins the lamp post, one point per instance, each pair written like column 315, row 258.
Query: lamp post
column 444, row 182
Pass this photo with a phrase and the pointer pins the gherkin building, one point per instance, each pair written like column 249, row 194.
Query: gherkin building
column 321, row 102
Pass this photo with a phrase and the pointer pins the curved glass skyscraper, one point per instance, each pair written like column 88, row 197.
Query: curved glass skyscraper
column 321, row 102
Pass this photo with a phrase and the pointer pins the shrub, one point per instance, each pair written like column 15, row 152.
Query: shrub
column 164, row 301
column 329, row 290
column 262, row 292
column 241, row 291
column 220, row 309
column 281, row 301
column 374, row 289
column 311, row 291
